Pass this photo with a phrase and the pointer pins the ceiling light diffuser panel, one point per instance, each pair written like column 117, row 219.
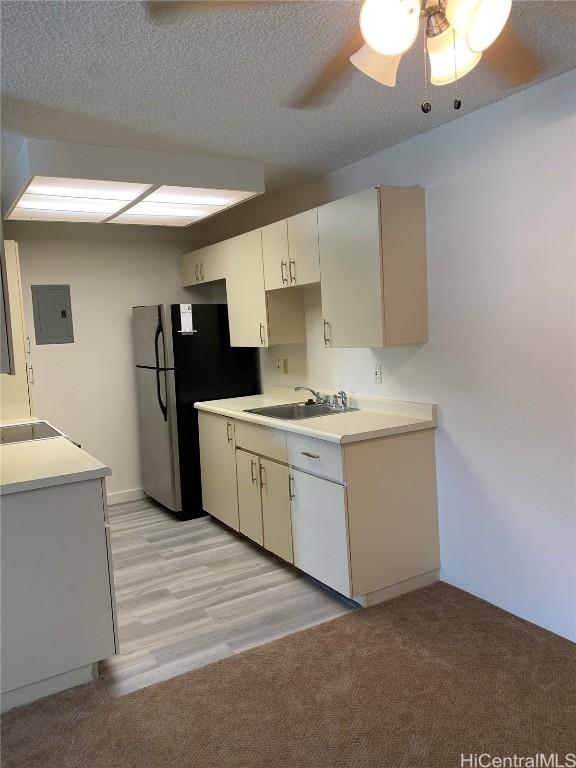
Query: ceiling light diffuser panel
column 56, row 199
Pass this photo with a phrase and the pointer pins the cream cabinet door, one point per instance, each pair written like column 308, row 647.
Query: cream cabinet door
column 190, row 267
column 15, row 396
column 249, row 501
column 276, row 517
column 218, row 468
column 245, row 291
column 351, row 271
column 275, row 255
column 319, row 530
column 303, row 249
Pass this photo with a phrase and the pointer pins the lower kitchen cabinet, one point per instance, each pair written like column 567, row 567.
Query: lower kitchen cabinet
column 319, row 530
column 276, row 518
column 218, row 468
column 58, row 608
column 264, row 503
column 249, row 500
column 359, row 517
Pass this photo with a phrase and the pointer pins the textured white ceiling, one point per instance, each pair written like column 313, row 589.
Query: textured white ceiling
column 105, row 73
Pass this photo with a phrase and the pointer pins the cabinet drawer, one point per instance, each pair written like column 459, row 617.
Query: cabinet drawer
column 316, row 456
column 261, row 440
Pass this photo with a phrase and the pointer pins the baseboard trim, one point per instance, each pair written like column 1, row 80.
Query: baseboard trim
column 29, row 693
column 400, row 588
column 119, row 497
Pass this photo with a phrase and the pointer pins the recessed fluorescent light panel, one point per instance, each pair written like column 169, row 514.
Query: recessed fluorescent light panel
column 55, row 199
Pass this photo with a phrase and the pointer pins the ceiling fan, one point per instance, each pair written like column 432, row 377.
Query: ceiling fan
column 458, row 33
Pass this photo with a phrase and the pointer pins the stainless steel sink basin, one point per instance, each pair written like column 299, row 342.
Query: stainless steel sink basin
column 295, row 411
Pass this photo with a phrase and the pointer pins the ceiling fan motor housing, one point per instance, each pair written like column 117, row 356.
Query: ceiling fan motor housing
column 435, row 13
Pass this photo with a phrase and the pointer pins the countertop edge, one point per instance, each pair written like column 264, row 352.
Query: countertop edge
column 298, row 428
column 52, row 480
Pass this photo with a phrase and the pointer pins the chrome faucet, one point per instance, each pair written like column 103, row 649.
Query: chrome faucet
column 319, row 399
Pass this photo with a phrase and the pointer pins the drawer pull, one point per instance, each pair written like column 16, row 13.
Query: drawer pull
column 229, row 431
column 283, row 268
column 262, row 476
column 291, row 492
column 253, row 471
column 310, row 455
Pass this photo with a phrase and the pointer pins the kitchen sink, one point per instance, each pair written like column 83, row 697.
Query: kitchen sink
column 295, row 411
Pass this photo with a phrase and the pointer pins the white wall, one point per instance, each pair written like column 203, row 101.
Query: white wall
column 87, row 388
column 501, row 203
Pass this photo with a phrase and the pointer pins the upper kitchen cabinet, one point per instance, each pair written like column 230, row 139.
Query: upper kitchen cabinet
column 275, row 255
column 15, row 392
column 303, row 250
column 290, row 251
column 202, row 266
column 373, row 268
column 258, row 319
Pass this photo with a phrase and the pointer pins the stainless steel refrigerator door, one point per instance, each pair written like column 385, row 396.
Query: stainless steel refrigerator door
column 153, row 335
column 159, row 437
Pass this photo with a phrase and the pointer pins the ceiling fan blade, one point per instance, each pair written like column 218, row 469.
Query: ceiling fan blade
column 511, row 59
column 318, row 90
column 380, row 68
column 166, row 10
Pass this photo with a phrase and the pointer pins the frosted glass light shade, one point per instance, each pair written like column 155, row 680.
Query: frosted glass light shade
column 107, row 190
column 377, row 66
column 447, row 62
column 150, row 219
column 198, row 196
column 172, row 209
column 486, row 23
column 55, row 203
column 479, row 21
column 390, row 26
column 27, row 214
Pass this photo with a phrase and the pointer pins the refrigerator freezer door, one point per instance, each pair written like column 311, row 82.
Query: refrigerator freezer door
column 159, row 437
column 152, row 328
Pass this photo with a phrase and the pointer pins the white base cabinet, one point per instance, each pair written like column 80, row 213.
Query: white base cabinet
column 319, row 530
column 58, row 610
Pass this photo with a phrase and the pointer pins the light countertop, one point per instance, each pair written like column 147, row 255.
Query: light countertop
column 34, row 464
column 375, row 417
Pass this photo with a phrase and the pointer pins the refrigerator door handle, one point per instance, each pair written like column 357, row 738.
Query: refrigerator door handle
column 159, row 332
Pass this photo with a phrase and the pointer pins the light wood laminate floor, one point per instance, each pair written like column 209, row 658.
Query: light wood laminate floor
column 189, row 593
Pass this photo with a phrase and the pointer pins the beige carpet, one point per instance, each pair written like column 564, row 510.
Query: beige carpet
column 409, row 684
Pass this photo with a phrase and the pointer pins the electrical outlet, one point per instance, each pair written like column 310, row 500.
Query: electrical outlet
column 282, row 364
column 377, row 373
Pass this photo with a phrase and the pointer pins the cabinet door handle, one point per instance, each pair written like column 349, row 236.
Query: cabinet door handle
column 262, row 476
column 196, row 273
column 253, row 471
column 262, row 339
column 310, row 455
column 283, row 268
column 327, row 339
column 291, row 264
column 291, row 492
column 229, row 431
column 201, row 271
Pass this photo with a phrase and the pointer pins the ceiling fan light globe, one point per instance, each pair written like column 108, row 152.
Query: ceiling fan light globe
column 444, row 69
column 390, row 27
column 459, row 13
column 486, row 22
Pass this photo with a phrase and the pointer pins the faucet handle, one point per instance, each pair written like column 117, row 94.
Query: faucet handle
column 343, row 398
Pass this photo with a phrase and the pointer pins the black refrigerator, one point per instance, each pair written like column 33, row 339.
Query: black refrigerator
column 183, row 356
